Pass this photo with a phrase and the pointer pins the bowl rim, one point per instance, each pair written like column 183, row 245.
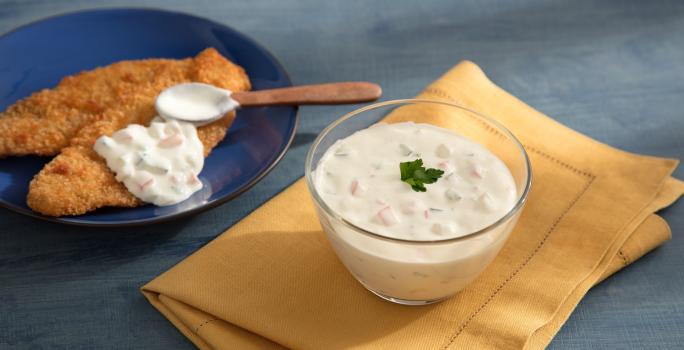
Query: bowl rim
column 308, row 172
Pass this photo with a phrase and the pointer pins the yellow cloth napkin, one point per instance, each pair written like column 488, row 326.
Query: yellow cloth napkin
column 272, row 280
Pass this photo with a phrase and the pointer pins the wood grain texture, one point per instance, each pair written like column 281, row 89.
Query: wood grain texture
column 610, row 69
column 314, row 94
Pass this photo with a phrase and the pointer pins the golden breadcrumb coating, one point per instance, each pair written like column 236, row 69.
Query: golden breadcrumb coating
column 69, row 119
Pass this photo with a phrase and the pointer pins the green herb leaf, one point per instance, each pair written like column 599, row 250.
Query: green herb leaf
column 415, row 174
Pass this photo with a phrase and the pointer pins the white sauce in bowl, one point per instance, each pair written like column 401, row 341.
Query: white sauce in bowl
column 359, row 178
column 159, row 164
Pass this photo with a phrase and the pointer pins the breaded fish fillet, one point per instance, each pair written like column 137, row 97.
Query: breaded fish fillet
column 78, row 180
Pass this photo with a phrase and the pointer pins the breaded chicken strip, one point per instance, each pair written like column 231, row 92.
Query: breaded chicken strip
column 78, row 180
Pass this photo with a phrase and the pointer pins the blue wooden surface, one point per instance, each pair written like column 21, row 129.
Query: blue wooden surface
column 611, row 69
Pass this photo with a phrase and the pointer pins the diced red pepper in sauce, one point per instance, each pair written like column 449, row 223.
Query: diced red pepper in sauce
column 354, row 187
column 146, row 183
column 171, row 141
column 387, row 216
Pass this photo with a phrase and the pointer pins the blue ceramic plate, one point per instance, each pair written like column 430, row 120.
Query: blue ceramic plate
column 38, row 55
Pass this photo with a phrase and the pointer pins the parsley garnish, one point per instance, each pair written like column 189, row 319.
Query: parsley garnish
column 415, row 174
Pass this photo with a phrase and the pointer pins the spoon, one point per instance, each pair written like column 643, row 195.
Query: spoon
column 201, row 104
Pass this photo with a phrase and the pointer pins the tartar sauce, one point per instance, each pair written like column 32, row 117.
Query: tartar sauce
column 359, row 178
column 159, row 164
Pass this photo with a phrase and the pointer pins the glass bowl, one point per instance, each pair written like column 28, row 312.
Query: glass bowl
column 418, row 272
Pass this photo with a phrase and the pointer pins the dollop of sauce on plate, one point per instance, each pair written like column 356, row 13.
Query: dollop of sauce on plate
column 158, row 164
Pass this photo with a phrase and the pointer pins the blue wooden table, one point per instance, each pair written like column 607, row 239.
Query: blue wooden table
column 611, row 69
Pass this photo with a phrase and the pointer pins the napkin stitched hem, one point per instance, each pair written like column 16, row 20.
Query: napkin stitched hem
column 435, row 91
column 541, row 243
column 606, row 257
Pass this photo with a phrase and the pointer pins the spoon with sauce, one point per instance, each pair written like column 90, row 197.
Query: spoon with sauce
column 201, row 104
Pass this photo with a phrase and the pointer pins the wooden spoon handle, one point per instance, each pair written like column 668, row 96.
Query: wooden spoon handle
column 319, row 94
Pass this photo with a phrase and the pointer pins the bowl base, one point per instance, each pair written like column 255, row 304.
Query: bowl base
column 405, row 301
